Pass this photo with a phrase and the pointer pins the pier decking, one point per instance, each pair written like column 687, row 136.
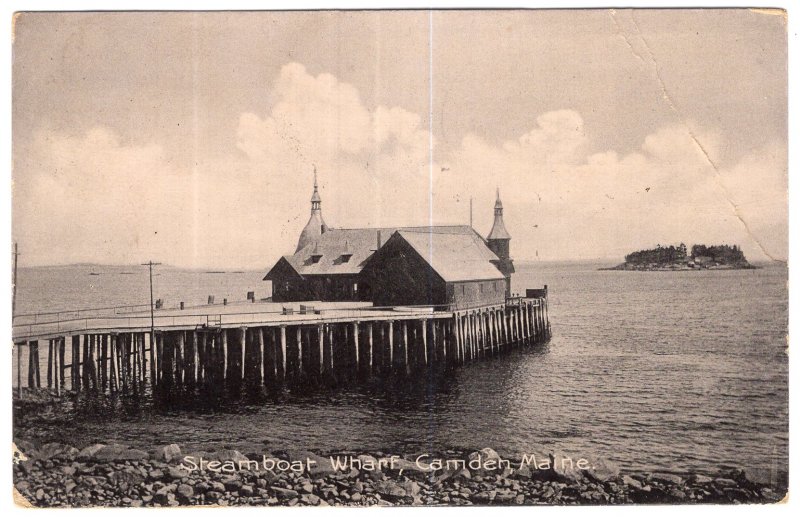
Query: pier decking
column 262, row 343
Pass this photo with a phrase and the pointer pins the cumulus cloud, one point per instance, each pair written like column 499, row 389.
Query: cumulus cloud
column 366, row 157
column 565, row 202
column 97, row 197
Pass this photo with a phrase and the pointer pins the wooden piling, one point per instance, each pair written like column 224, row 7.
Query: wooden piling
column 282, row 361
column 355, row 344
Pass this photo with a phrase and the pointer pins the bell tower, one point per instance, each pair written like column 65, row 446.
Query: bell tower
column 315, row 226
column 499, row 242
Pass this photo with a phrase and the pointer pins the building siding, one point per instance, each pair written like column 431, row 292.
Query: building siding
column 474, row 293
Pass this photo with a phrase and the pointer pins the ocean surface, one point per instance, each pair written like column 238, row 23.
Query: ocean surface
column 671, row 371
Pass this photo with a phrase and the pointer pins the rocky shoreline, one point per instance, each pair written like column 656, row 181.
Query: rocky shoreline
column 58, row 475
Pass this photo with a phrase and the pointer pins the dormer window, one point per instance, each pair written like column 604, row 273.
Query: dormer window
column 315, row 258
column 346, row 257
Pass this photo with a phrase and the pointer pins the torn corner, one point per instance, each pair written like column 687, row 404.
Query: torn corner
column 14, row 18
column 772, row 11
column 19, row 499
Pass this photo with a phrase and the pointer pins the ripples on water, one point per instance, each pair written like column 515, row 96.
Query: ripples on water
column 655, row 370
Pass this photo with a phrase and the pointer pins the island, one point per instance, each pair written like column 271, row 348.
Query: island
column 676, row 258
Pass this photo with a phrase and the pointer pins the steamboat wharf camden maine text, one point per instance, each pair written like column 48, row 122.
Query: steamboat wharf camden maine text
column 423, row 462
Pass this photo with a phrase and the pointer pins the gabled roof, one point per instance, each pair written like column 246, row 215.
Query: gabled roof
column 360, row 243
column 456, row 257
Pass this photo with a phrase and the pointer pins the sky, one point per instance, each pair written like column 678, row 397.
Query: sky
column 191, row 138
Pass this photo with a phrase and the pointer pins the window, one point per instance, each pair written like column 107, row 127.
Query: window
column 315, row 258
column 355, row 287
column 462, row 289
column 480, row 286
column 346, row 257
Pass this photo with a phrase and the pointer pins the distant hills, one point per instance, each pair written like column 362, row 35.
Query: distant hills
column 676, row 258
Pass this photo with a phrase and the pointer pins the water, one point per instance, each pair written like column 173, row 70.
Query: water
column 675, row 371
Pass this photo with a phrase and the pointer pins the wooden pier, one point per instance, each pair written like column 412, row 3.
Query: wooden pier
column 124, row 355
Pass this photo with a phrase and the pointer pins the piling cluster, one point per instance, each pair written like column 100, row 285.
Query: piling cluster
column 297, row 349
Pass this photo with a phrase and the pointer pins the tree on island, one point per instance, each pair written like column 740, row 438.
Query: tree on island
column 672, row 256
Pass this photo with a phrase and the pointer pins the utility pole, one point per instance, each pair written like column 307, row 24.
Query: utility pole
column 150, row 264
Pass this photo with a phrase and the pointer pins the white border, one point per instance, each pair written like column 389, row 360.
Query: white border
column 9, row 7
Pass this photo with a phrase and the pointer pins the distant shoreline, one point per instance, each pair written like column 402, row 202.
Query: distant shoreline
column 676, row 267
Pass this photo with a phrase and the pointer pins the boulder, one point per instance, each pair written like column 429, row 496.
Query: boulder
column 666, row 479
column 185, row 491
column 119, row 453
column 761, row 476
column 601, row 470
column 480, row 458
column 227, row 455
column 55, row 450
column 389, row 488
column 177, row 473
column 564, row 468
column 284, row 493
column 631, row 482
column 89, row 452
column 168, row 453
column 126, row 476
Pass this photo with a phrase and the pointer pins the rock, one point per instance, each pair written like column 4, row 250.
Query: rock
column 232, row 483
column 409, row 468
column 631, row 482
column 601, row 470
column 310, row 499
column 725, row 483
column 699, row 479
column 505, row 497
column 125, row 476
column 55, row 450
column 389, row 488
column 25, row 446
column 89, row 452
column 761, row 476
column 410, row 487
column 69, row 486
column 676, row 494
column 667, row 479
column 22, row 486
column 477, row 460
column 484, row 497
column 307, row 488
column 185, row 491
column 284, row 493
column 177, row 473
column 523, row 472
column 164, row 495
column 216, row 486
column 227, row 455
column 564, row 469
column 155, row 474
column 68, row 470
column 168, row 453
column 119, row 453
column 246, row 491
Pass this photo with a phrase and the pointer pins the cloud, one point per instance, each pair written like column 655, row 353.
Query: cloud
column 564, row 201
column 376, row 159
column 98, row 197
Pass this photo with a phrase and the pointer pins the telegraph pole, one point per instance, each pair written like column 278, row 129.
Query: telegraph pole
column 150, row 264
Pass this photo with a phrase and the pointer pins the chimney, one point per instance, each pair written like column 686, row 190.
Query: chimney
column 379, row 241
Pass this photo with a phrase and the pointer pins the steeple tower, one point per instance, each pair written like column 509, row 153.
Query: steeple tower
column 499, row 242
column 315, row 226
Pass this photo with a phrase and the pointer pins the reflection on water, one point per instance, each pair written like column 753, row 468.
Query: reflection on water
column 671, row 371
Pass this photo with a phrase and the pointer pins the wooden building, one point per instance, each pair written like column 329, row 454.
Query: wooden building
column 446, row 266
